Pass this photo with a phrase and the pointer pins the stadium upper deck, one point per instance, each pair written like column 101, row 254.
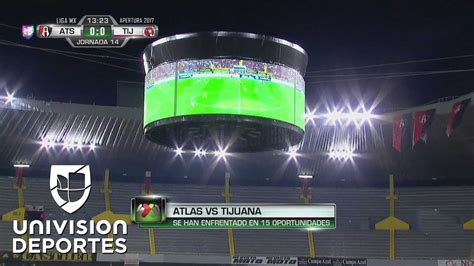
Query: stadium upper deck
column 44, row 133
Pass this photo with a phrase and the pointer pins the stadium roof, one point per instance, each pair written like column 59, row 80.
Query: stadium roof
column 43, row 133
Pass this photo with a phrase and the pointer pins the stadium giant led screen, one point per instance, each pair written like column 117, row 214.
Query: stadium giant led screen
column 224, row 86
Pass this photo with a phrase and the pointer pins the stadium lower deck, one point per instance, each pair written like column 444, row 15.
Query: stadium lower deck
column 436, row 216
column 437, row 212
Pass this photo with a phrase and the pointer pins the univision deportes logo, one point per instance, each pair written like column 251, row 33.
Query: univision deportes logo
column 70, row 186
column 66, row 180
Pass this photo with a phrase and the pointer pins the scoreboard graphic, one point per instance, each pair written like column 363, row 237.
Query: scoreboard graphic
column 97, row 31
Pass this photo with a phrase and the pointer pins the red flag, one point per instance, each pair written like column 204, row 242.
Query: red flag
column 19, row 177
column 147, row 183
column 456, row 115
column 306, row 187
column 401, row 131
column 422, row 125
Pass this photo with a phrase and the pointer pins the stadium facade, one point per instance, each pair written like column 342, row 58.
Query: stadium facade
column 41, row 133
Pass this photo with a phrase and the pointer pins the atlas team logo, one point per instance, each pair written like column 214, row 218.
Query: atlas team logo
column 70, row 186
column 44, row 31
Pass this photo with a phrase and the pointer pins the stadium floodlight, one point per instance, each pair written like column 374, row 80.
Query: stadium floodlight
column 220, row 153
column 293, row 152
column 67, row 145
column 355, row 117
column 75, row 144
column 92, row 146
column 79, row 145
column 200, row 152
column 21, row 165
column 10, row 97
column 334, row 116
column 44, row 144
column 309, row 116
column 332, row 154
column 343, row 154
column 367, row 115
column 303, row 176
column 178, row 151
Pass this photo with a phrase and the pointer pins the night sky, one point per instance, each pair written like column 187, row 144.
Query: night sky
column 336, row 34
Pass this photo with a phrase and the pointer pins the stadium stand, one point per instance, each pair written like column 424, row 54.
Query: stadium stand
column 435, row 213
column 434, row 183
